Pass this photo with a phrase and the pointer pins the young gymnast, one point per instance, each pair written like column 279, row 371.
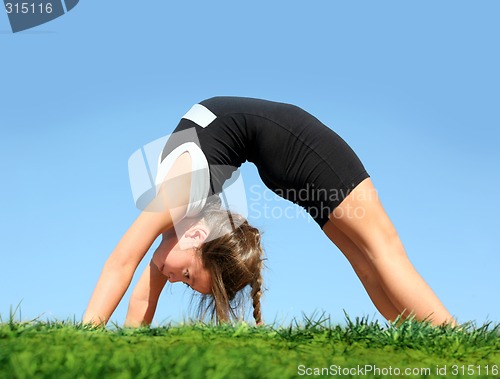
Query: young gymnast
column 219, row 256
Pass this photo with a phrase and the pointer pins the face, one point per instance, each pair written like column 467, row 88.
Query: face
column 178, row 260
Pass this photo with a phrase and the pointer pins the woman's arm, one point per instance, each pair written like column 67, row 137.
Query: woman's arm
column 122, row 263
column 144, row 299
column 166, row 209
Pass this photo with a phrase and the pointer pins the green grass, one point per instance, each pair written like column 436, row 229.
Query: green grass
column 313, row 346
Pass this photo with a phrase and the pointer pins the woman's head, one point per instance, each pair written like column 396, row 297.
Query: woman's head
column 234, row 258
column 217, row 254
column 178, row 258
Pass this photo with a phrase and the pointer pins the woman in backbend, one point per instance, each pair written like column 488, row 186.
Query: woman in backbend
column 218, row 255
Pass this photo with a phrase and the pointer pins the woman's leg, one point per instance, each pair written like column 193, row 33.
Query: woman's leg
column 363, row 269
column 363, row 220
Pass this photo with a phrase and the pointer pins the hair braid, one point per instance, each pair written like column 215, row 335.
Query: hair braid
column 256, row 294
column 234, row 259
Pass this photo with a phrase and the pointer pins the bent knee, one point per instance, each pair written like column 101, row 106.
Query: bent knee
column 366, row 274
column 376, row 236
column 388, row 248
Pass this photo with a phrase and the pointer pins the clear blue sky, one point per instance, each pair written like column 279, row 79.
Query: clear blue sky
column 412, row 86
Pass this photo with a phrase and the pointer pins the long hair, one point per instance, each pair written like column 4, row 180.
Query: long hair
column 234, row 259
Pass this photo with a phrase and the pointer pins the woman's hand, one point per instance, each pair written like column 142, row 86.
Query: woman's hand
column 167, row 208
column 144, row 299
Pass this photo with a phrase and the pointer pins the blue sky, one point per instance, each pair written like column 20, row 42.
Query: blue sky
column 413, row 87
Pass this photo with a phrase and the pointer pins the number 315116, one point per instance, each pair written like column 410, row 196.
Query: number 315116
column 24, row 8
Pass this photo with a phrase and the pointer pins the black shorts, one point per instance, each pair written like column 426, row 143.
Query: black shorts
column 297, row 156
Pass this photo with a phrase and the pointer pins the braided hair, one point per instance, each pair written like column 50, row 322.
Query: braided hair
column 234, row 259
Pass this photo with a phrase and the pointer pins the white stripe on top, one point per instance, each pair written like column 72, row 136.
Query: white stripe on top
column 200, row 115
column 200, row 175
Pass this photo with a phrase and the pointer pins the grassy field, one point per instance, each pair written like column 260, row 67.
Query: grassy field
column 311, row 348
